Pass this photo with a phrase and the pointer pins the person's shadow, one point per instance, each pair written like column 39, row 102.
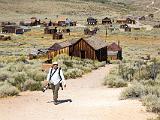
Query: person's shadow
column 61, row 101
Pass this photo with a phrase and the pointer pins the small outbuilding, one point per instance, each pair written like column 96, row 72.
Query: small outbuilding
column 91, row 21
column 106, row 21
column 114, row 52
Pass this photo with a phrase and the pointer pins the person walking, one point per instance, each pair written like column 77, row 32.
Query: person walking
column 56, row 79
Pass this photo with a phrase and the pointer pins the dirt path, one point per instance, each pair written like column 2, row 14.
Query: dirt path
column 91, row 101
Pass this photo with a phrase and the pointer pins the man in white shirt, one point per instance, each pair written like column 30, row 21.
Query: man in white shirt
column 55, row 77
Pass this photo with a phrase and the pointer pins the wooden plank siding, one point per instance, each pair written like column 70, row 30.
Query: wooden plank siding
column 83, row 46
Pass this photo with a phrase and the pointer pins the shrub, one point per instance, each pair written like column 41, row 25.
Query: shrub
column 152, row 103
column 73, row 73
column 36, row 75
column 68, row 63
column 116, row 82
column 19, row 79
column 4, row 76
column 32, row 85
column 19, row 67
column 137, row 90
column 154, row 90
column 99, row 64
column 8, row 90
column 39, row 76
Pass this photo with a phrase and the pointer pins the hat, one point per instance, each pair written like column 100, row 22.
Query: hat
column 55, row 63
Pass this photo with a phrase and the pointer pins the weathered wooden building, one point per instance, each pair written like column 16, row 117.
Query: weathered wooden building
column 106, row 21
column 126, row 21
column 91, row 21
column 125, row 27
column 130, row 21
column 86, row 48
column 114, row 52
column 50, row 30
column 57, row 35
column 9, row 29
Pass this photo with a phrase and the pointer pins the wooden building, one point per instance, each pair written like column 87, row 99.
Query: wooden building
column 106, row 21
column 121, row 21
column 114, row 52
column 125, row 27
column 57, row 35
column 9, row 29
column 126, row 21
column 50, row 30
column 142, row 18
column 86, row 48
column 91, row 21
column 130, row 21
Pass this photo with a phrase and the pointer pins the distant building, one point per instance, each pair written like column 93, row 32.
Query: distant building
column 91, row 21
column 114, row 52
column 106, row 21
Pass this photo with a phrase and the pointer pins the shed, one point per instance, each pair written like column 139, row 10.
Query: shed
column 106, row 21
column 57, row 35
column 9, row 29
column 114, row 52
column 91, row 21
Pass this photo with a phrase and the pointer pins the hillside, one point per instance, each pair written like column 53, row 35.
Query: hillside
column 21, row 9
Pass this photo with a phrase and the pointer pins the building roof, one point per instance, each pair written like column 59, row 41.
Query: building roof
column 58, row 46
column 114, row 47
column 95, row 42
column 106, row 19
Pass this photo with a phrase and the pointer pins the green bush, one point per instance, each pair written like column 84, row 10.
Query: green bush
column 36, row 75
column 152, row 103
column 154, row 90
column 115, row 82
column 137, row 90
column 19, row 79
column 4, row 76
column 8, row 90
column 73, row 73
column 32, row 85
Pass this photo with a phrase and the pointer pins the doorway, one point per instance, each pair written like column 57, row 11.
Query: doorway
column 83, row 54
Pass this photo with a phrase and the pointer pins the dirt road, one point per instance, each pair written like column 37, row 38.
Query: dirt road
column 90, row 101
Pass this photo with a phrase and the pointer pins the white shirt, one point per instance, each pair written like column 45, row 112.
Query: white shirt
column 56, row 78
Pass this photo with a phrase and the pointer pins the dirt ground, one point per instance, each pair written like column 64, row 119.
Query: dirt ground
column 90, row 101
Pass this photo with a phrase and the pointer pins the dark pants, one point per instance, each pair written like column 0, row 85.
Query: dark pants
column 55, row 89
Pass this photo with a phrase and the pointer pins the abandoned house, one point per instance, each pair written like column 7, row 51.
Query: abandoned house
column 126, row 21
column 125, row 27
column 57, row 35
column 121, row 21
column 15, row 29
column 114, row 52
column 86, row 48
column 50, row 30
column 35, row 21
column 142, row 18
column 91, row 21
column 106, row 21
column 130, row 21
column 9, row 29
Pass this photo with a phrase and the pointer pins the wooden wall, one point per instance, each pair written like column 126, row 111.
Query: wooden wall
column 52, row 54
column 81, row 45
